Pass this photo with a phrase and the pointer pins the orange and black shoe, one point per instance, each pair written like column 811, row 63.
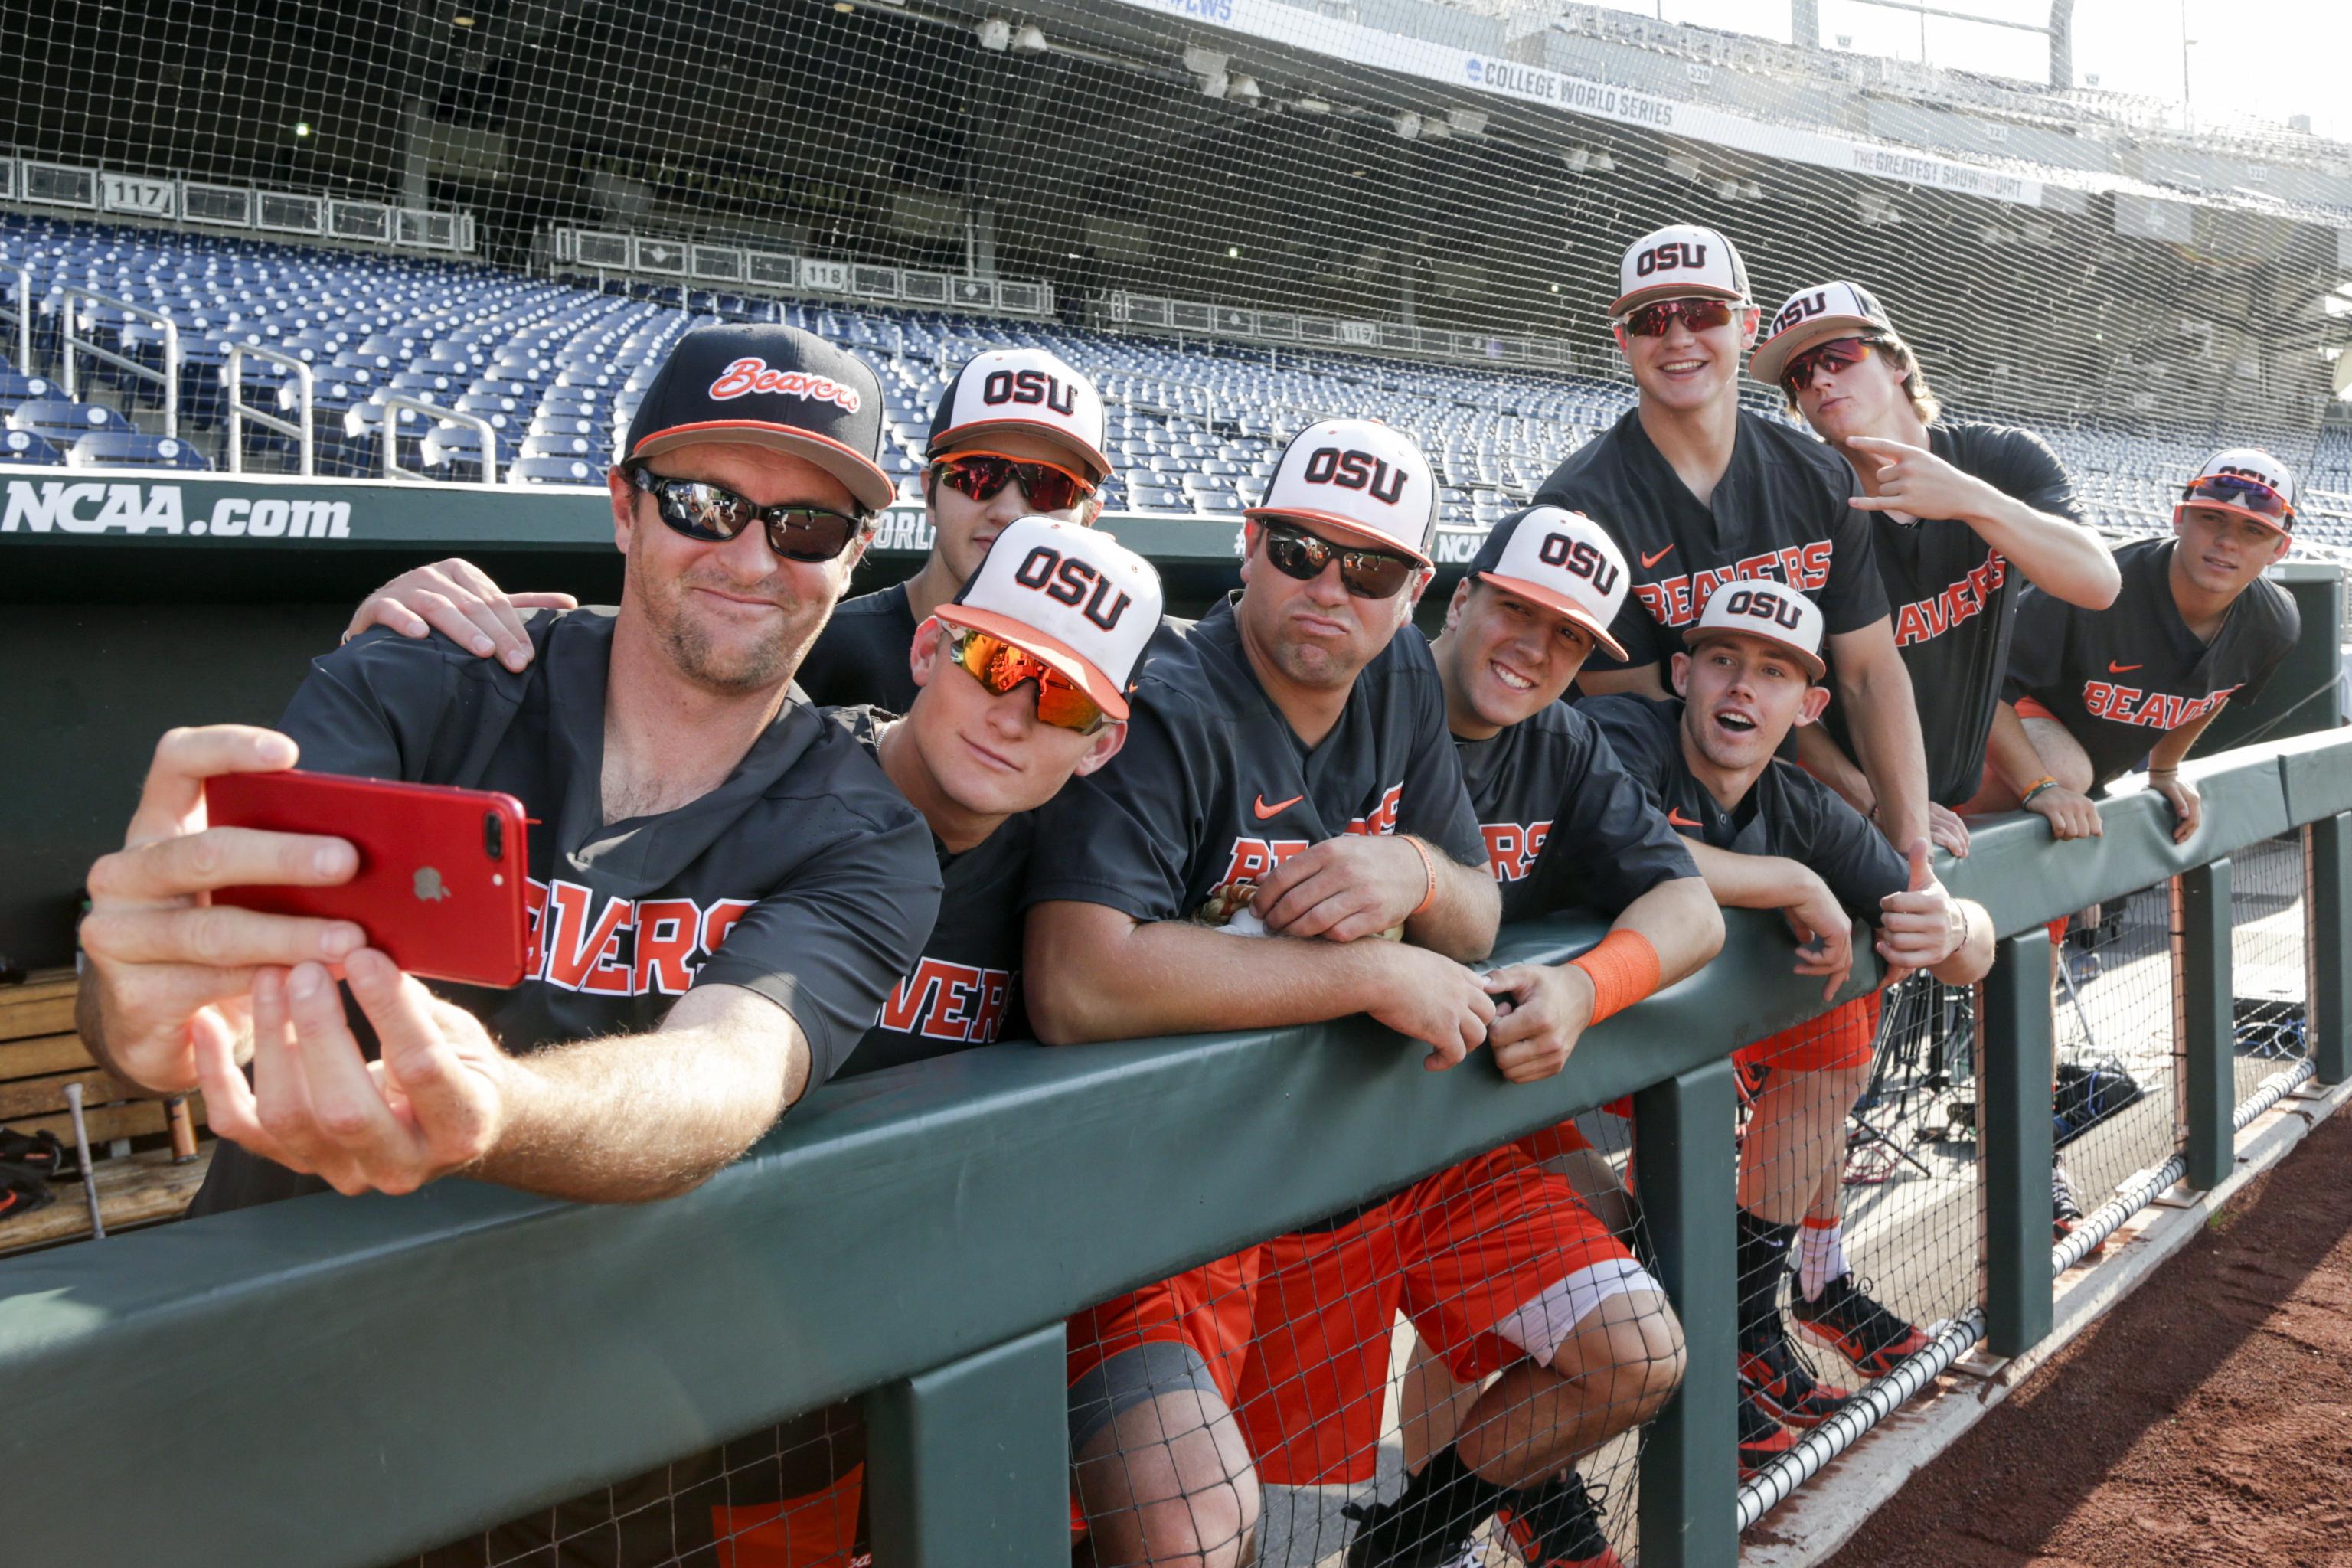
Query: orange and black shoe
column 1782, row 1386
column 1844, row 1318
column 1761, row 1438
column 1557, row 1525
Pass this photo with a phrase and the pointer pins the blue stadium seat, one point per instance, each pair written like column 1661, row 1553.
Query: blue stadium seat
column 17, row 388
column 130, row 449
column 555, row 471
column 64, row 422
column 24, row 446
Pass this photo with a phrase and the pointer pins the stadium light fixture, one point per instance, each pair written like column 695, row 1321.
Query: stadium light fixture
column 461, row 21
column 1408, row 125
column 1313, row 106
column 1244, row 90
column 301, row 129
column 1233, row 252
column 995, row 33
column 1030, row 39
column 1468, row 122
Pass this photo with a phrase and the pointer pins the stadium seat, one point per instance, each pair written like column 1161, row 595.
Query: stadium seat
column 24, row 446
column 130, row 449
column 64, row 422
column 554, row 471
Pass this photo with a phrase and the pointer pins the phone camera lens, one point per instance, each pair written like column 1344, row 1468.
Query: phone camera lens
column 494, row 836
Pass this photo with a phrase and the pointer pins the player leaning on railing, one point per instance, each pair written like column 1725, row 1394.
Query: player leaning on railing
column 1767, row 835
column 2089, row 694
column 1566, row 829
column 1017, row 433
column 1699, row 491
column 1288, row 797
column 656, row 750
column 1964, row 509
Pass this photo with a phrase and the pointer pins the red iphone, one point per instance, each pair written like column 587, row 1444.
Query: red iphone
column 442, row 871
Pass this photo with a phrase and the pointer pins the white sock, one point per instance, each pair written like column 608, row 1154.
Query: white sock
column 1821, row 1255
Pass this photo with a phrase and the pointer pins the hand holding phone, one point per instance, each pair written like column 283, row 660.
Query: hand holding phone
column 442, row 873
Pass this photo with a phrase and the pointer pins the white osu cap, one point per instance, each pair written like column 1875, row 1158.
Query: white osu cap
column 1677, row 262
column 1074, row 597
column 1358, row 480
column 2235, row 481
column 1762, row 607
column 1562, row 560
column 1024, row 389
column 1840, row 310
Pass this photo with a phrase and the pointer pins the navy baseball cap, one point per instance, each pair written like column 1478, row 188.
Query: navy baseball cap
column 766, row 384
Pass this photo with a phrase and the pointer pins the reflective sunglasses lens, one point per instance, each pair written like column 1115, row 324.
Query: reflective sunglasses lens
column 1295, row 556
column 1372, row 576
column 810, row 536
column 1699, row 315
column 998, row 667
column 1049, row 490
column 2248, row 495
column 976, row 477
column 1065, row 707
column 702, row 511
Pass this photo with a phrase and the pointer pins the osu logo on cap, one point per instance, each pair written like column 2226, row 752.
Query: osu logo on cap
column 1578, row 558
column 750, row 374
column 1030, row 388
column 1066, row 579
column 1355, row 470
column 1764, row 604
column 1673, row 256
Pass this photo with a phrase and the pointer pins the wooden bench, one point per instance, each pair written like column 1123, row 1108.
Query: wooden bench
column 41, row 1055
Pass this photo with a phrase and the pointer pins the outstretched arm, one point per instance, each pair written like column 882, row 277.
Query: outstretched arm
column 1552, row 1005
column 623, row 1119
column 2062, row 558
column 458, row 599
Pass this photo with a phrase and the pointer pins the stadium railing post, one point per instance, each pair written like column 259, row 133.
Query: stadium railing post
column 2328, row 1019
column 969, row 1464
column 2208, row 1029
column 2014, row 1093
column 1685, row 1170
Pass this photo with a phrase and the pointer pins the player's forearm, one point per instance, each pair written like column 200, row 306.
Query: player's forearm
column 2010, row 756
column 1462, row 920
column 2063, row 559
column 1641, row 679
column 1173, row 977
column 1886, row 739
column 2173, row 749
column 1738, row 881
column 1822, row 757
column 630, row 1118
column 1681, row 921
column 1973, row 959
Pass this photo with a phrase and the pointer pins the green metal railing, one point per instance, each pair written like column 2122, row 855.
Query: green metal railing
column 344, row 1382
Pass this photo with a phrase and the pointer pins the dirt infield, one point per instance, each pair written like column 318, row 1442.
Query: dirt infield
column 2207, row 1419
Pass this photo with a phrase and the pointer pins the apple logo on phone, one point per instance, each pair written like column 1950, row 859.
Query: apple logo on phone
column 428, row 885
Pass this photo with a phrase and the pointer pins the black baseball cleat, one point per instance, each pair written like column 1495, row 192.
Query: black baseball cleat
column 1845, row 1318
column 1783, row 1388
column 1557, row 1525
column 1761, row 1438
column 1430, row 1525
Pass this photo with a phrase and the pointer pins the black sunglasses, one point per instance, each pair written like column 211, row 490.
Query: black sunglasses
column 1366, row 573
column 714, row 514
column 1837, row 356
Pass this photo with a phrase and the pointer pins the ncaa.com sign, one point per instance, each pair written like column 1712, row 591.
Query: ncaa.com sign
column 100, row 506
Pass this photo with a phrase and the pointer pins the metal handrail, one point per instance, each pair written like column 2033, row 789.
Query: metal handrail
column 233, row 378
column 392, row 469
column 23, row 318
column 168, row 377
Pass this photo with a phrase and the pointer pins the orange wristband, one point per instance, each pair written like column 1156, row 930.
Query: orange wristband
column 1624, row 967
column 1429, row 867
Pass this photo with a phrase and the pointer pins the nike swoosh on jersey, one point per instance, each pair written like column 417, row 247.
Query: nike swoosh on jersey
column 2114, row 668
column 1265, row 811
column 1650, row 561
column 1676, row 817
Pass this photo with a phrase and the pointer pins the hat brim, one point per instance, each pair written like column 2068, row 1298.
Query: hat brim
column 1560, row 604
column 2283, row 530
column 873, row 488
column 1349, row 530
column 1815, row 669
column 1648, row 292
column 1081, row 669
column 1100, row 466
column 1772, row 356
